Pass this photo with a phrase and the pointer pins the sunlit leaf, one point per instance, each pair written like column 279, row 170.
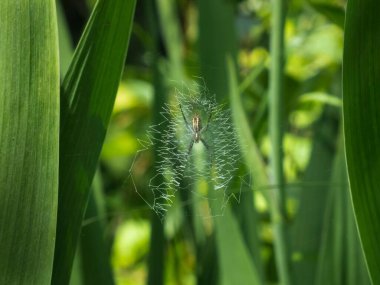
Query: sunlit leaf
column 320, row 97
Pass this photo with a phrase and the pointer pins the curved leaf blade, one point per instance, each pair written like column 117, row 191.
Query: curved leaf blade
column 29, row 129
column 235, row 263
column 256, row 167
column 361, row 101
column 88, row 95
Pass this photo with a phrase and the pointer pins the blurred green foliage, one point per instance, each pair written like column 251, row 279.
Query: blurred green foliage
column 311, row 145
column 189, row 142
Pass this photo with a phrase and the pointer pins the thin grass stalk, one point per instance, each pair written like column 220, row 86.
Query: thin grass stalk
column 276, row 135
column 157, row 239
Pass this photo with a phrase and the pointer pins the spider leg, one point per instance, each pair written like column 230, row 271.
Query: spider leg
column 205, row 127
column 208, row 148
column 186, row 122
column 205, row 144
column 190, row 146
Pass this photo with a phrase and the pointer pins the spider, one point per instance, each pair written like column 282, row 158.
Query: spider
column 196, row 129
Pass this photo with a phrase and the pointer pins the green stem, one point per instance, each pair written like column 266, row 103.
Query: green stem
column 276, row 133
column 156, row 265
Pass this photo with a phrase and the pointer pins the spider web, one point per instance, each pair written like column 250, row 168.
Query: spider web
column 208, row 166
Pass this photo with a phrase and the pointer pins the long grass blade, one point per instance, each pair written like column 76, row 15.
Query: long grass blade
column 215, row 43
column 29, row 132
column 306, row 231
column 88, row 94
column 235, row 263
column 361, row 101
column 94, row 247
column 276, row 126
column 256, row 167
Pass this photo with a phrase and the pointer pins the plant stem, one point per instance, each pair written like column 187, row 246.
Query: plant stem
column 276, row 133
column 156, row 265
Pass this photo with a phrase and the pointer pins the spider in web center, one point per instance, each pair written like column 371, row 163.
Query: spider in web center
column 196, row 129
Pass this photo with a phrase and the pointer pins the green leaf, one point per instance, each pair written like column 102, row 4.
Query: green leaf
column 247, row 212
column 87, row 99
column 340, row 255
column 307, row 228
column 65, row 45
column 361, row 101
column 94, row 248
column 330, row 266
column 29, row 133
column 235, row 263
column 254, row 160
column 320, row 97
column 248, row 219
column 92, row 260
column 217, row 38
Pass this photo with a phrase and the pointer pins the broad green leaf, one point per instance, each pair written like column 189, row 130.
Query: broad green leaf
column 87, row 98
column 29, row 134
column 92, row 259
column 361, row 105
column 235, row 263
column 340, row 259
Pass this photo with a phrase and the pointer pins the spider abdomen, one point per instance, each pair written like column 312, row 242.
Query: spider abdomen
column 196, row 129
column 197, row 126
